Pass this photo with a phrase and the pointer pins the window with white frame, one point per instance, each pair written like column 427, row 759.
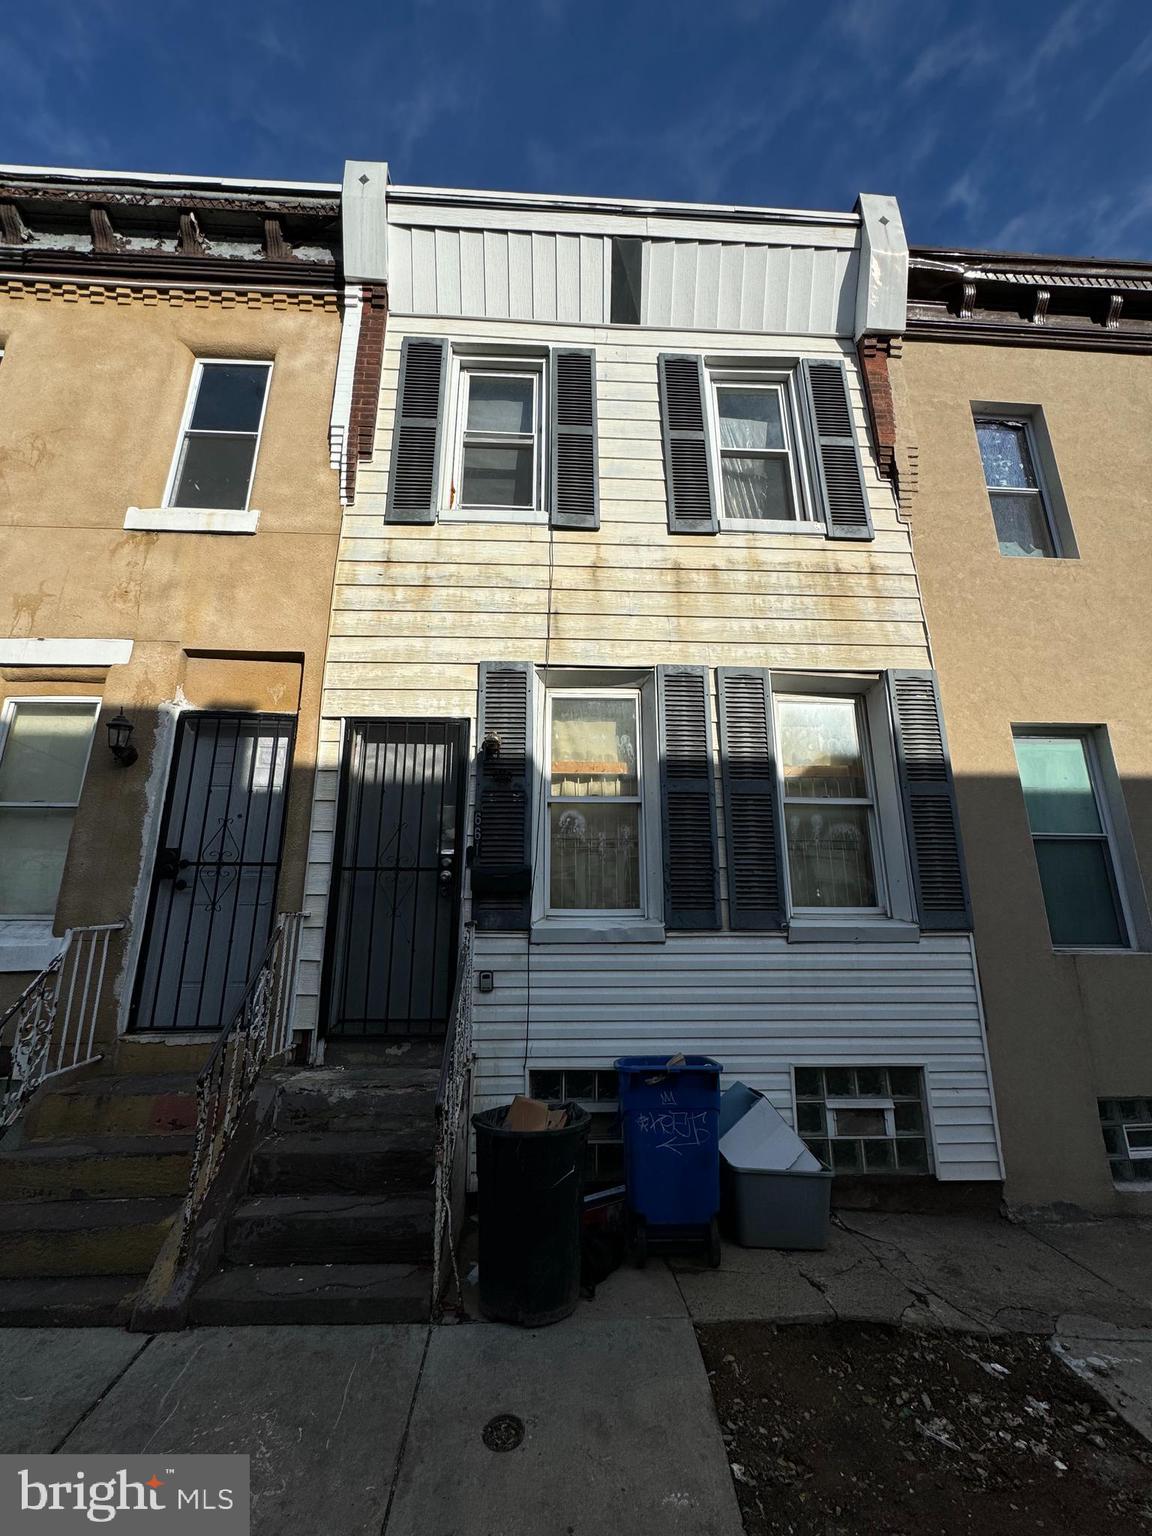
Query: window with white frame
column 44, row 747
column 498, row 461
column 1127, row 1128
column 758, row 437
column 1071, row 834
column 1020, row 508
column 220, row 435
column 864, row 1119
column 832, row 844
column 595, row 803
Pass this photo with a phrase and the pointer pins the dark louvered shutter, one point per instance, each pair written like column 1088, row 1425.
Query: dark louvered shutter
column 575, row 491
column 502, row 835
column 929, row 801
column 414, row 478
column 840, row 474
column 688, row 801
column 687, row 463
column 751, row 798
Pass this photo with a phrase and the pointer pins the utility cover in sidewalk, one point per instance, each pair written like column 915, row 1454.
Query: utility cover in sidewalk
column 503, row 1433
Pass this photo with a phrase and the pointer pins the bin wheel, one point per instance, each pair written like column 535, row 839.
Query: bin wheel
column 713, row 1242
column 639, row 1242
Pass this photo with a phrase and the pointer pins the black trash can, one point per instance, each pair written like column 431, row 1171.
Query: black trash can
column 530, row 1185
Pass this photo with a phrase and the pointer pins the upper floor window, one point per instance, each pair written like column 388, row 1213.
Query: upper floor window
column 498, row 460
column 44, row 747
column 216, row 456
column 757, row 442
column 829, row 804
column 1028, row 506
column 1069, row 819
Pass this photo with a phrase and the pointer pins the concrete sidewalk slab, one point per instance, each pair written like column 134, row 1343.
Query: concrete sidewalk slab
column 1116, row 1361
column 751, row 1283
column 627, row 1292
column 619, row 1433
column 991, row 1272
column 1117, row 1252
column 49, row 1378
column 321, row 1412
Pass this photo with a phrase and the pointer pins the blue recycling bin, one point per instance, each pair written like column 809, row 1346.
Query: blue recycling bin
column 670, row 1116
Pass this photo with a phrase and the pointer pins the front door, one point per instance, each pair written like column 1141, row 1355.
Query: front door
column 217, row 868
column 396, row 883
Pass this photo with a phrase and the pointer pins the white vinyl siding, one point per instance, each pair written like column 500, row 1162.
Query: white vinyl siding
column 759, row 1008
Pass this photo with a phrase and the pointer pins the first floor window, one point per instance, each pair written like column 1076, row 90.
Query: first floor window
column 498, row 459
column 1059, row 775
column 757, row 440
column 44, row 746
column 595, row 802
column 217, row 453
column 829, row 803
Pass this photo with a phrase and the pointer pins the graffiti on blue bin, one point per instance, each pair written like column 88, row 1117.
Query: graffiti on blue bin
column 676, row 1129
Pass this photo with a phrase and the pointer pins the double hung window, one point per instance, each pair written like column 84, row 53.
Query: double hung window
column 1059, row 774
column 216, row 456
column 498, row 464
column 1019, row 507
column 595, row 852
column 44, row 747
column 829, row 803
column 757, row 441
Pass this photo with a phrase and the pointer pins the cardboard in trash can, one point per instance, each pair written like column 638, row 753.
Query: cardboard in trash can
column 776, row 1194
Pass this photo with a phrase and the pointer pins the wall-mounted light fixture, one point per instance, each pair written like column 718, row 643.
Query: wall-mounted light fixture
column 490, row 747
column 120, row 730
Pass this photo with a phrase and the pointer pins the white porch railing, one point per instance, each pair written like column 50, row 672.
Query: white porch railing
column 260, row 1031
column 51, row 1027
column 452, row 1098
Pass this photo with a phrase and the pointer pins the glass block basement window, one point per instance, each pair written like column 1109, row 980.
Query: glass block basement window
column 1127, row 1128
column 864, row 1119
column 598, row 1093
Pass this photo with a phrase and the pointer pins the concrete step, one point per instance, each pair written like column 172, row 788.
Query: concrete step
column 331, row 1229
column 315, row 1293
column 82, row 1237
column 160, row 1105
column 97, row 1168
column 374, row 1054
column 147, row 1056
column 68, row 1301
column 325, row 1098
column 391, row 1161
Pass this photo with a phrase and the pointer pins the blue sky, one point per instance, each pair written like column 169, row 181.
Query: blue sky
column 1014, row 124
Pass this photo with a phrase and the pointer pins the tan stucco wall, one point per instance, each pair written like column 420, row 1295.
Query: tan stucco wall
column 91, row 400
column 1042, row 641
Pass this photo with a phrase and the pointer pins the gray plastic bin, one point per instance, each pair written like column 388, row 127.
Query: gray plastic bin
column 774, row 1193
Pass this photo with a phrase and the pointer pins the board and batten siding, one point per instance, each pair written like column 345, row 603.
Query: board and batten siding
column 554, row 276
column 757, row 1005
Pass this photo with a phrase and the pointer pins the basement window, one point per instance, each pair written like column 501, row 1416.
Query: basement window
column 596, row 1091
column 864, row 1120
column 1127, row 1128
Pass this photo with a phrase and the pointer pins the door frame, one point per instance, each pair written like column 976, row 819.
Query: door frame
column 160, row 822
column 348, row 724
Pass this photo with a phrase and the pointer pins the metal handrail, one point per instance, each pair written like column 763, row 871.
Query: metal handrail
column 259, row 1031
column 54, row 1029
column 452, row 1095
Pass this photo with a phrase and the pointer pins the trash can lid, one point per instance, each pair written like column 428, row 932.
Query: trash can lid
column 666, row 1064
column 762, row 1139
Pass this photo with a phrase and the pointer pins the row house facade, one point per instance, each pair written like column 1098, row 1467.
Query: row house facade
column 1022, row 401
column 628, row 669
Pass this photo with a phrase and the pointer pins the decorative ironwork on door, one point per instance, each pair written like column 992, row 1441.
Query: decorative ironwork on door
column 216, row 871
column 392, row 933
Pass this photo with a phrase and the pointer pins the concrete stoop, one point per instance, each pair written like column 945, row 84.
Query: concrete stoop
column 335, row 1223
column 90, row 1180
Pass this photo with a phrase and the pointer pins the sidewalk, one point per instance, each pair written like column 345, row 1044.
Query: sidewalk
column 380, row 1429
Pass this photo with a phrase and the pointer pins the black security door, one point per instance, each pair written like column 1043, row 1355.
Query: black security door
column 217, row 867
column 396, row 881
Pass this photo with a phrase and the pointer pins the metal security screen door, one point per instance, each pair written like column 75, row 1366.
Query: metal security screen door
column 214, row 886
column 392, row 930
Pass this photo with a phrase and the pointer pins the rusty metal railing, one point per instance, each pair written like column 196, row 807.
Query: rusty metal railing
column 452, row 1098
column 51, row 1027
